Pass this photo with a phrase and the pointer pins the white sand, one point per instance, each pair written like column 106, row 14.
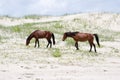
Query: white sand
column 108, row 69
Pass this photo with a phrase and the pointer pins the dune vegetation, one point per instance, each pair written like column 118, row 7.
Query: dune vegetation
column 14, row 32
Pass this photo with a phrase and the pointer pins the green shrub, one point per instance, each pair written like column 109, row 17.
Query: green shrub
column 16, row 29
column 58, row 25
column 56, row 53
column 70, row 41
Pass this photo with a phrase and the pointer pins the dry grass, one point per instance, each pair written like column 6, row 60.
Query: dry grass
column 14, row 52
column 16, row 35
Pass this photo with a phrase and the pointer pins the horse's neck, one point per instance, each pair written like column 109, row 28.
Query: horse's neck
column 72, row 34
column 69, row 36
column 30, row 37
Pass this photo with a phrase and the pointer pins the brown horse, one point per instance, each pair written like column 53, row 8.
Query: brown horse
column 38, row 34
column 77, row 36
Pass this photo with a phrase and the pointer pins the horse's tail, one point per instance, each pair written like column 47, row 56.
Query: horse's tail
column 97, row 39
column 53, row 37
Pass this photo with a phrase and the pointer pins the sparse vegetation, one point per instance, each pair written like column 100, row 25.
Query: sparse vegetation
column 16, row 35
column 70, row 41
column 56, row 53
column 16, row 29
column 58, row 25
column 32, row 17
column 63, row 58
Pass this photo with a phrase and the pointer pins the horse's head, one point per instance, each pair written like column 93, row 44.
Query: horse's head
column 65, row 36
column 69, row 34
column 27, row 42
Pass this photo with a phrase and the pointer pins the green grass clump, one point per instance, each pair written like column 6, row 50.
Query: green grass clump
column 70, row 41
column 16, row 29
column 58, row 25
column 56, row 53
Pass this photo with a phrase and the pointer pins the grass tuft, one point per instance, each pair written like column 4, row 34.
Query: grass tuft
column 16, row 29
column 56, row 53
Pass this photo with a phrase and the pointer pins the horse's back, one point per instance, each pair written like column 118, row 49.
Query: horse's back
column 83, row 36
column 39, row 34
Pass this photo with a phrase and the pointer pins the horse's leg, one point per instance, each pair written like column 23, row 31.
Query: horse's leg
column 49, row 42
column 76, row 45
column 38, row 43
column 94, row 47
column 90, row 46
column 35, row 42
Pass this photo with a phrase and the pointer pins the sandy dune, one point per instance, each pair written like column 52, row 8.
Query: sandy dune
column 50, row 68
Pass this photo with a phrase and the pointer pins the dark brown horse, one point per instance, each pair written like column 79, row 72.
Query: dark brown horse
column 38, row 34
column 77, row 36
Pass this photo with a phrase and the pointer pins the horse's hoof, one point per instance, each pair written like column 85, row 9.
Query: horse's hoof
column 89, row 51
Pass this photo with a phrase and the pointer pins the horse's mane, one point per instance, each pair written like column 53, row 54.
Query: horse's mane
column 74, row 33
column 70, row 34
